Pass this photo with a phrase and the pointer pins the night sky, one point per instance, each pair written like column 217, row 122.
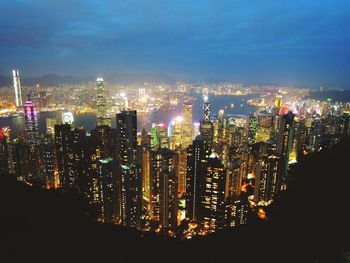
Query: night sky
column 299, row 42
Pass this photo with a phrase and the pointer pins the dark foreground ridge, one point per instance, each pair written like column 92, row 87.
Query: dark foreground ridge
column 308, row 223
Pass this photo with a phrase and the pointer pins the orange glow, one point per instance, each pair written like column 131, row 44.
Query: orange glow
column 262, row 214
column 244, row 186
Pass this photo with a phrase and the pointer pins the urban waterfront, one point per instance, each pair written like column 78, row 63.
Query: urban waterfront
column 88, row 120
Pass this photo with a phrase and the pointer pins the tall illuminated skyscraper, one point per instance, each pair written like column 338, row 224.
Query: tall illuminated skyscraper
column 265, row 126
column 103, row 117
column 163, row 185
column 279, row 100
column 266, row 172
column 253, row 124
column 213, row 202
column 197, row 155
column 159, row 136
column 108, row 190
column 181, row 171
column 32, row 138
column 284, row 140
column 48, row 158
column 175, row 130
column 31, row 122
column 72, row 157
column 187, row 126
column 206, row 126
column 128, row 174
column 17, row 87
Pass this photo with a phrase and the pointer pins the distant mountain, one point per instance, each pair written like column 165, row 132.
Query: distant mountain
column 335, row 95
column 5, row 81
column 121, row 78
column 129, row 78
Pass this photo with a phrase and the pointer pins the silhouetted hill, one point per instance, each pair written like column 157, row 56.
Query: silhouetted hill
column 308, row 223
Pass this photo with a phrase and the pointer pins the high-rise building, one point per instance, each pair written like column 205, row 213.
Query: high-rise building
column 206, row 126
column 344, row 126
column 32, row 139
column 67, row 117
column 146, row 180
column 197, row 155
column 213, row 202
column 18, row 155
column 159, row 136
column 103, row 139
column 72, row 157
column 165, row 167
column 253, row 124
column 31, row 122
column 233, row 180
column 181, row 171
column 103, row 117
column 238, row 211
column 266, row 172
column 128, row 174
column 108, row 190
column 162, row 161
column 279, row 100
column 265, row 126
column 187, row 126
column 48, row 156
column 50, row 124
column 17, row 87
column 284, row 140
column 145, row 139
column 175, row 130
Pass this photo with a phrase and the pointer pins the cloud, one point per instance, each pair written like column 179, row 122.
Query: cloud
column 233, row 39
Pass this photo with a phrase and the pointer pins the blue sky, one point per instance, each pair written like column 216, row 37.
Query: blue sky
column 299, row 42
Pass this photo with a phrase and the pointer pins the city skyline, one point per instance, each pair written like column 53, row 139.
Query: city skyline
column 175, row 131
column 292, row 43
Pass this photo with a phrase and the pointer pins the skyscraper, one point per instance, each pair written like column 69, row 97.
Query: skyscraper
column 175, row 130
column 213, row 202
column 284, row 140
column 161, row 160
column 72, row 156
column 159, row 136
column 197, row 155
column 181, row 171
column 128, row 174
column 103, row 117
column 266, row 172
column 17, row 87
column 253, row 124
column 206, row 126
column 32, row 139
column 48, row 157
column 163, row 185
column 187, row 126
column 265, row 126
column 31, row 122
column 108, row 190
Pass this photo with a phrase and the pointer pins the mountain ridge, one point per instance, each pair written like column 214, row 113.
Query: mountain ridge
column 51, row 79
